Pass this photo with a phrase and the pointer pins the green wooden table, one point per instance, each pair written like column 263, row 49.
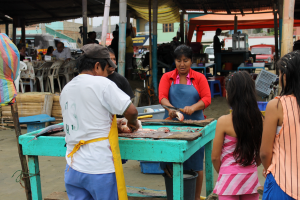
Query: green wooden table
column 163, row 150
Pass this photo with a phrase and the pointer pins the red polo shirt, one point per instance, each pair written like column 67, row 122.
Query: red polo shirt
column 198, row 80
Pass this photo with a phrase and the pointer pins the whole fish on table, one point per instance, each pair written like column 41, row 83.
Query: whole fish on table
column 49, row 130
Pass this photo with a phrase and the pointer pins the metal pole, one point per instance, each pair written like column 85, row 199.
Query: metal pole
column 23, row 31
column 154, row 55
column 122, row 36
column 6, row 29
column 15, row 24
column 288, row 26
column 186, row 17
column 150, row 44
column 181, row 27
column 276, row 39
column 235, row 24
column 105, row 22
column 280, row 12
column 84, row 20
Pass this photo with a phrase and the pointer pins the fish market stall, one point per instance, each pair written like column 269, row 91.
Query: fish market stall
column 156, row 144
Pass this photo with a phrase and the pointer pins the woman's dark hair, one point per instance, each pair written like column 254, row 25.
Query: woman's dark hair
column 110, row 50
column 289, row 65
column 88, row 64
column 246, row 117
column 50, row 50
column 20, row 46
column 183, row 50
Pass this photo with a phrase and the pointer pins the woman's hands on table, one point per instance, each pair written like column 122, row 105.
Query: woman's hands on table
column 189, row 110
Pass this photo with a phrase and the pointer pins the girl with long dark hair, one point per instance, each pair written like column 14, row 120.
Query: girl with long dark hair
column 235, row 154
column 280, row 151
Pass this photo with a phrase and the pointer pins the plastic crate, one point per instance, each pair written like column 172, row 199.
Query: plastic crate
column 158, row 113
column 263, row 82
column 150, row 167
column 262, row 105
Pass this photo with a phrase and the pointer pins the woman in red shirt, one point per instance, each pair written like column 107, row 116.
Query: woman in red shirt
column 187, row 89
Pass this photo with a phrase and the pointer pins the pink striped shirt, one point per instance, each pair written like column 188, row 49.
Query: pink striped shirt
column 177, row 81
column 235, row 179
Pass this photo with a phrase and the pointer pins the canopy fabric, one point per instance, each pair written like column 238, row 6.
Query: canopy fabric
column 168, row 12
column 9, row 69
column 211, row 22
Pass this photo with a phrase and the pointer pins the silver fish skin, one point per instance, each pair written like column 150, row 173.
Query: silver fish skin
column 48, row 130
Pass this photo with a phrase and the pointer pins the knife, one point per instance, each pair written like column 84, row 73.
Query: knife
column 173, row 108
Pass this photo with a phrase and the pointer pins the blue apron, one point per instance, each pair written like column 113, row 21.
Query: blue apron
column 181, row 95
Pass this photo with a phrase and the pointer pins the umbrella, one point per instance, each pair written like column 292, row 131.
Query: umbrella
column 9, row 69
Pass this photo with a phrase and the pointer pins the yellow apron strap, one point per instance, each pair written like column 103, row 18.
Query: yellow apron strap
column 114, row 144
column 82, row 142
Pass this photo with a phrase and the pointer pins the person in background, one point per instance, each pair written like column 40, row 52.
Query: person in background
column 115, row 44
column 187, row 89
column 89, row 103
column 22, row 50
column 92, row 38
column 235, row 154
column 62, row 52
column 118, row 79
column 280, row 140
column 216, row 43
column 129, row 53
column 50, row 51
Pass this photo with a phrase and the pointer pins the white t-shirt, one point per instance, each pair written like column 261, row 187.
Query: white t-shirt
column 88, row 104
column 65, row 54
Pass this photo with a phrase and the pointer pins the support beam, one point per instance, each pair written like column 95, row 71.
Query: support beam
column 235, row 24
column 33, row 4
column 242, row 12
column 288, row 24
column 182, row 28
column 122, row 36
column 225, row 3
column 276, row 39
column 154, row 55
column 204, row 8
column 6, row 29
column 78, row 2
column 179, row 5
column 280, row 12
column 150, row 43
column 84, row 21
column 15, row 24
column 105, row 22
column 23, row 31
column 186, row 22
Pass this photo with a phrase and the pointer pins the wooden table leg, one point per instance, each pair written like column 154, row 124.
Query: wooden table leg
column 209, row 174
column 178, row 181
column 35, row 179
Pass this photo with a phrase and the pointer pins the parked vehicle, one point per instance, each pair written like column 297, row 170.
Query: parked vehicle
column 210, row 52
column 264, row 53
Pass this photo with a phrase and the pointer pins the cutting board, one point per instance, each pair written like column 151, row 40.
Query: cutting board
column 189, row 136
column 201, row 123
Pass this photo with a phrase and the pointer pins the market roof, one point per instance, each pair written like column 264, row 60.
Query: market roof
column 226, row 22
column 229, row 6
column 44, row 11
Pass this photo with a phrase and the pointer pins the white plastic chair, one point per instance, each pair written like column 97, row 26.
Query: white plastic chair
column 54, row 73
column 67, row 70
column 18, row 80
column 42, row 74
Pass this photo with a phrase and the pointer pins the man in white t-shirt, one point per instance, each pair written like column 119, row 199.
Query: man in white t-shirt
column 62, row 52
column 89, row 103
